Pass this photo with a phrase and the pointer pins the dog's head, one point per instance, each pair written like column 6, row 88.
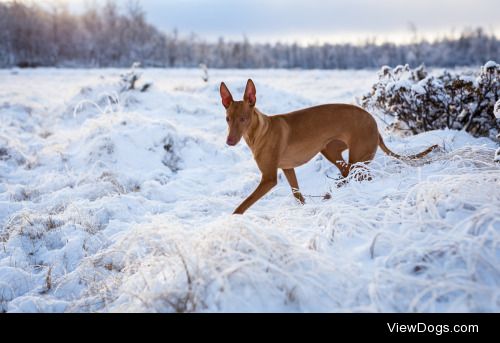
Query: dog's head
column 238, row 113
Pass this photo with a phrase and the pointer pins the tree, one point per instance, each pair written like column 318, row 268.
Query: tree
column 108, row 35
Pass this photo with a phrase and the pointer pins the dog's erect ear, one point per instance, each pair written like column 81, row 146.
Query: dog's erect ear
column 225, row 95
column 250, row 93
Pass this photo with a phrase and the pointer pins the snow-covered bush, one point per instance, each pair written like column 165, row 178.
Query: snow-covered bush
column 204, row 68
column 130, row 78
column 420, row 101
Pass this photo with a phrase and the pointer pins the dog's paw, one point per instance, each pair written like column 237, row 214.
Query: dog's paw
column 342, row 182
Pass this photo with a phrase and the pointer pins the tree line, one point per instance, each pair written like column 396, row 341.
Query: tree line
column 109, row 36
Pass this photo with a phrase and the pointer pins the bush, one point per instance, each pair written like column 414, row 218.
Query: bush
column 422, row 102
column 129, row 79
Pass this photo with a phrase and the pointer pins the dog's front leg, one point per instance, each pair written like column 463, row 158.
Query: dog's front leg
column 292, row 180
column 265, row 185
column 267, row 161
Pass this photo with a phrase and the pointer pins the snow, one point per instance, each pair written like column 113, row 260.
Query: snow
column 490, row 64
column 394, row 86
column 116, row 201
column 418, row 88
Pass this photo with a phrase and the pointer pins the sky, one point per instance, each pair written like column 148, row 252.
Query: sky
column 310, row 21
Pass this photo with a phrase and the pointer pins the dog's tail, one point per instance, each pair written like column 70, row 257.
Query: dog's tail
column 404, row 158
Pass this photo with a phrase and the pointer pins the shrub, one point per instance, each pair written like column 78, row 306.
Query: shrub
column 129, row 79
column 421, row 102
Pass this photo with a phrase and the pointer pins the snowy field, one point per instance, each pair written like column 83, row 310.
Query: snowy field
column 122, row 202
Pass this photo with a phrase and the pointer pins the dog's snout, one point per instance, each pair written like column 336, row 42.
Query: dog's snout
column 231, row 141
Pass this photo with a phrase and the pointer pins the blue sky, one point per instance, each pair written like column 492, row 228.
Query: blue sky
column 317, row 20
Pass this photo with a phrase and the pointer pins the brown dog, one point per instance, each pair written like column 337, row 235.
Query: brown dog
column 289, row 140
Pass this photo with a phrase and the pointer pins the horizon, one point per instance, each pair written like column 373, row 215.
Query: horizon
column 354, row 26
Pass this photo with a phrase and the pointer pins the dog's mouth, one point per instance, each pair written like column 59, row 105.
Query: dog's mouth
column 232, row 141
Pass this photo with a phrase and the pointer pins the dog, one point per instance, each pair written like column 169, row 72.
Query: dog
column 286, row 141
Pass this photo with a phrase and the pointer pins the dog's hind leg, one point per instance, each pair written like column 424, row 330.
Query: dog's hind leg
column 333, row 153
column 361, row 153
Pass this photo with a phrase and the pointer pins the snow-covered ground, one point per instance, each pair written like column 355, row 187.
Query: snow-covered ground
column 122, row 202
